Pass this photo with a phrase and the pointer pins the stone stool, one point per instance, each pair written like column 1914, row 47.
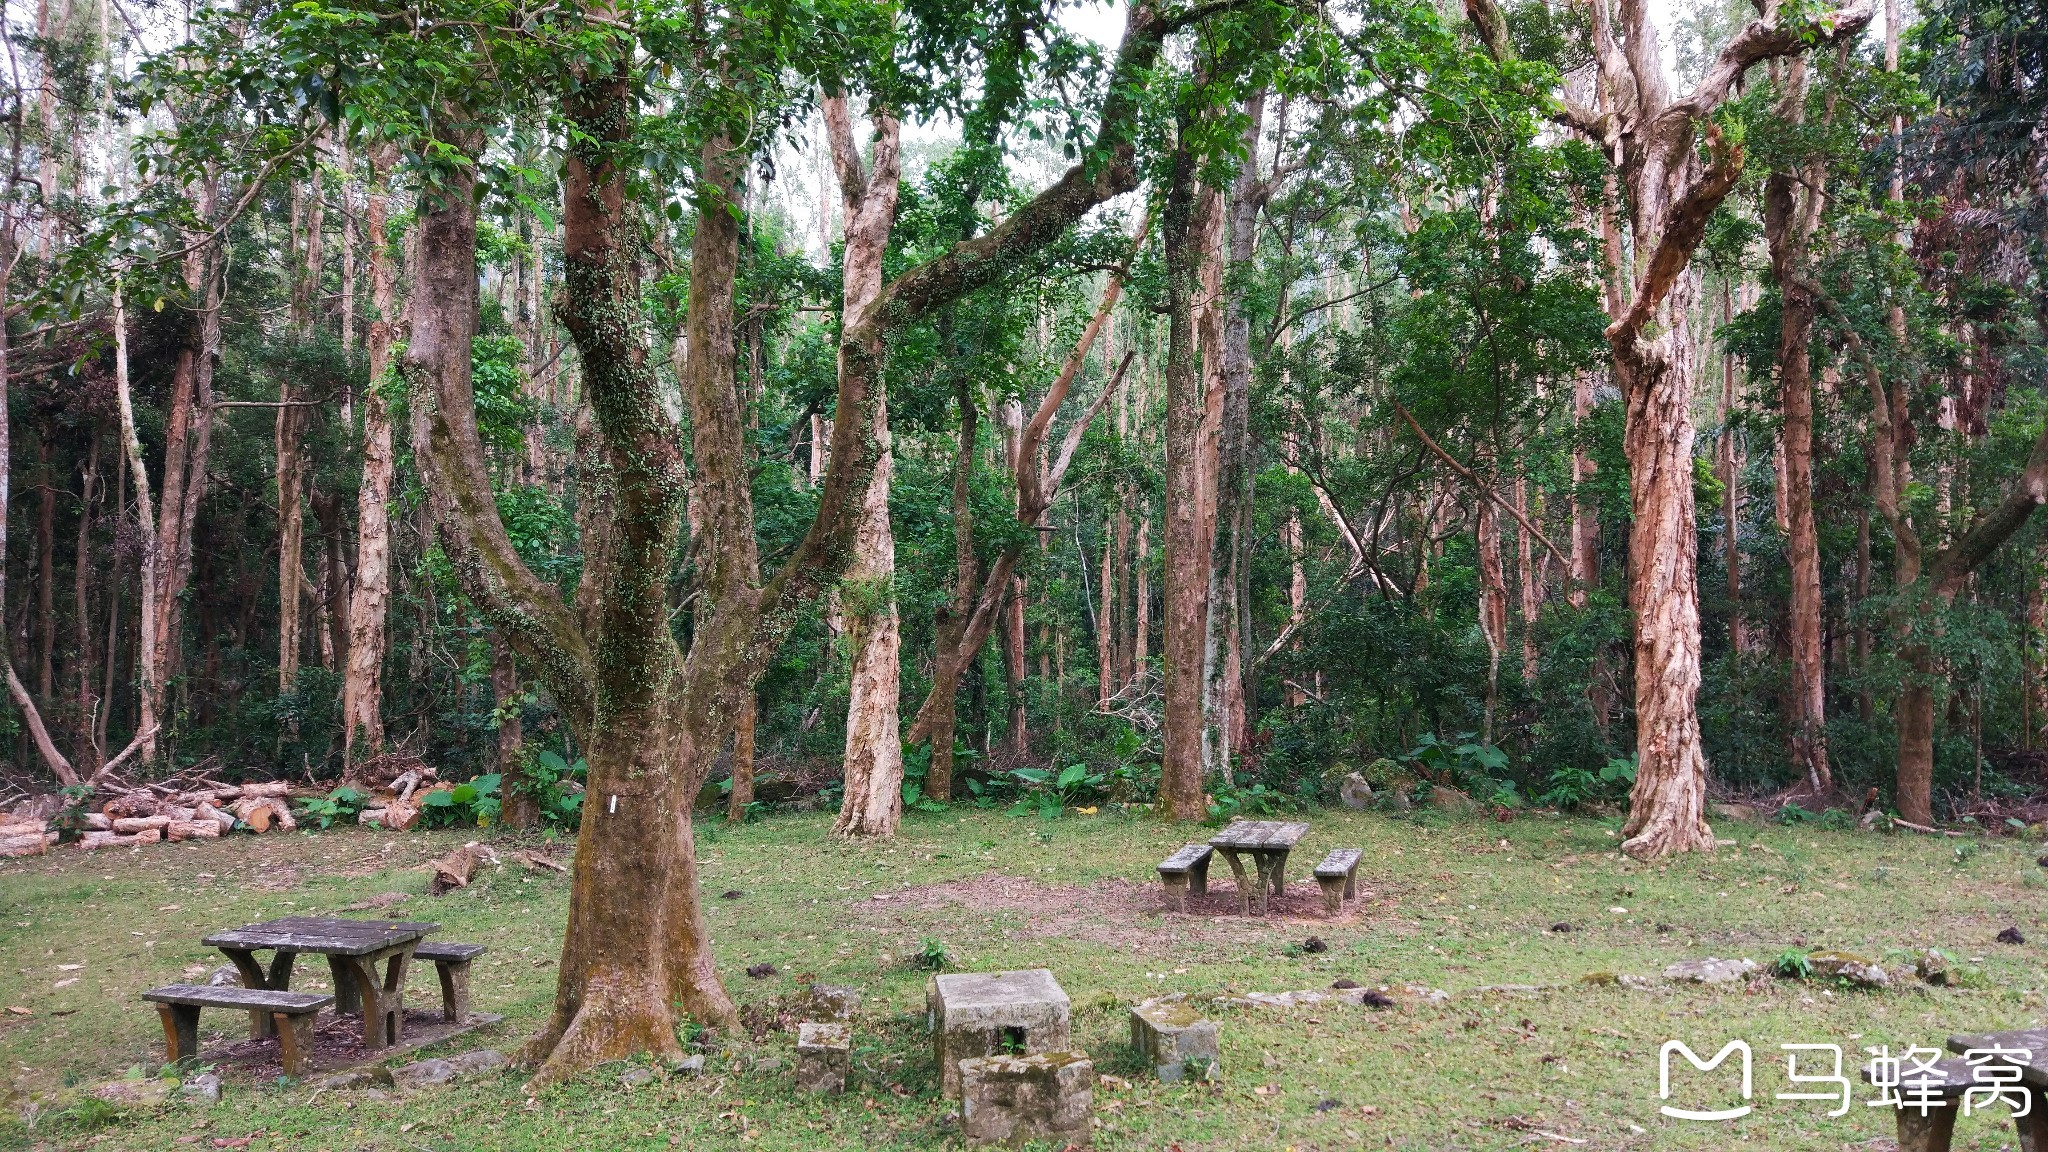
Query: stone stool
column 994, row 1013
column 1012, row 1099
column 823, row 1054
column 1173, row 1038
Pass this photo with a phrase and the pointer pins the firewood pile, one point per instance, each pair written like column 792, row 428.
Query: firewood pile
column 150, row 813
column 193, row 806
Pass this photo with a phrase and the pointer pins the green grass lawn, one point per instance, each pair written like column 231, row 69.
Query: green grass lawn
column 1456, row 906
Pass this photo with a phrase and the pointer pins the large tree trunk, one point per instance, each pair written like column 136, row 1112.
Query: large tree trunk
column 362, row 683
column 1192, row 220
column 1792, row 206
column 873, row 799
column 1667, row 807
column 1230, row 549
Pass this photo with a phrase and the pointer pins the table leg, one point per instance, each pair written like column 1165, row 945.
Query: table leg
column 181, row 1031
column 295, row 1041
column 1279, row 870
column 347, row 1001
column 383, row 998
column 1264, row 862
column 253, row 976
column 281, row 972
column 2033, row 1127
column 455, row 984
column 1244, row 892
column 1932, row 1130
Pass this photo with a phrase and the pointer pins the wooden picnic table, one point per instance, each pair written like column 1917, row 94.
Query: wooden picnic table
column 353, row 949
column 1267, row 842
column 2033, row 1127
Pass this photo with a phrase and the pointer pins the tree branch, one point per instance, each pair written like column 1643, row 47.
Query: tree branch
column 1481, row 487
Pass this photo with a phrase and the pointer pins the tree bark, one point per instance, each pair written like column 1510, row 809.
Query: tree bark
column 1493, row 609
column 742, row 794
column 1792, row 208
column 362, row 681
column 1230, row 555
column 872, row 804
column 1192, row 218
column 518, row 809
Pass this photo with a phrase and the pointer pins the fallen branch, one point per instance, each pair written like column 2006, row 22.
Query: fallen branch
column 1930, row 831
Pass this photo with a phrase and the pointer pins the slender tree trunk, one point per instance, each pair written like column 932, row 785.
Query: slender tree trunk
column 46, row 577
column 1230, row 554
column 81, row 606
column 1531, row 581
column 1493, row 609
column 953, row 623
column 1792, row 207
column 1191, row 222
column 519, row 810
column 1016, row 735
column 873, row 799
column 742, row 794
column 362, row 683
column 1731, row 486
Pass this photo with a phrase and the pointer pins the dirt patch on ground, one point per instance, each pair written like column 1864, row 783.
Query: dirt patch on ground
column 1107, row 911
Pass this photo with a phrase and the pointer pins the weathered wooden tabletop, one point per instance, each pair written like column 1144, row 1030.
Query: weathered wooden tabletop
column 1259, row 835
column 2034, row 1041
column 322, row 936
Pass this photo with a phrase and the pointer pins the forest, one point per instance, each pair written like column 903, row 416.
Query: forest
column 879, row 406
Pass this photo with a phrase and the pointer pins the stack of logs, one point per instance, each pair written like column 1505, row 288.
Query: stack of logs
column 143, row 816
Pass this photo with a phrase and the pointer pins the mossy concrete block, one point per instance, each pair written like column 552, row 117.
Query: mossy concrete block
column 823, row 1053
column 1014, row 1099
column 835, row 1002
column 1171, row 1036
column 974, row 1014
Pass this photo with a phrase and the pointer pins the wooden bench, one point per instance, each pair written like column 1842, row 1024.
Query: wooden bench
column 1338, row 874
column 1187, row 870
column 291, row 1012
column 451, row 962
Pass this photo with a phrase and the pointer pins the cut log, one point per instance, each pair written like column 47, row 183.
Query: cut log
column 149, row 836
column 132, row 824
column 193, row 830
column 262, row 813
column 274, row 788
column 93, row 840
column 131, row 805
column 34, row 844
column 395, row 816
column 456, row 868
column 98, row 822
column 225, row 820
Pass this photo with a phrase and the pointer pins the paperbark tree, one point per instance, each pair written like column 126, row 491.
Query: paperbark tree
column 1653, row 137
column 873, row 798
column 650, row 718
column 362, row 718
column 1189, row 231
column 1793, row 201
